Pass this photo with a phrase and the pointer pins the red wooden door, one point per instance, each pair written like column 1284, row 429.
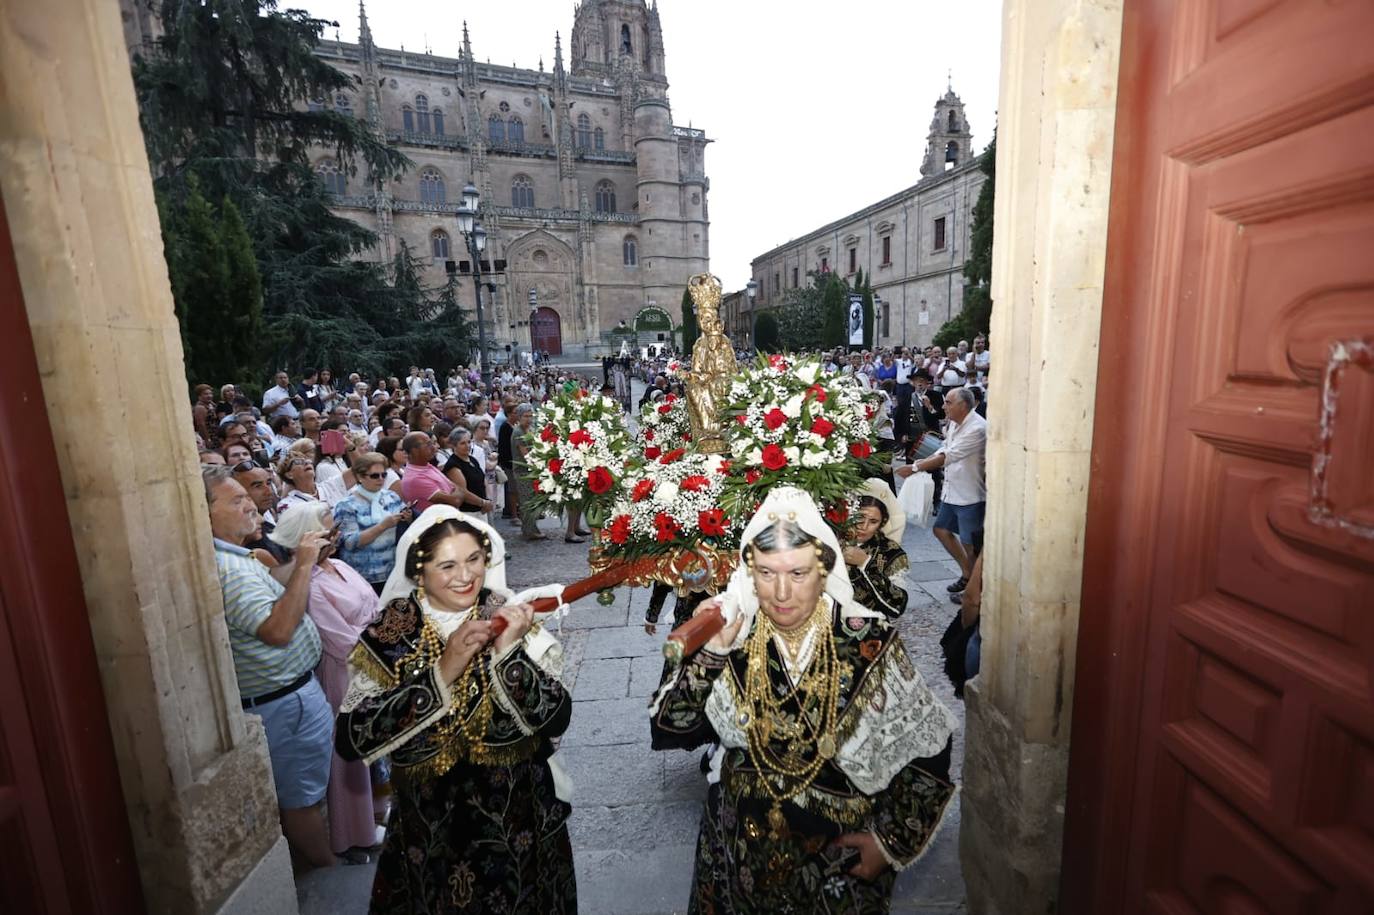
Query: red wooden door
column 64, row 840
column 1223, row 732
column 546, row 331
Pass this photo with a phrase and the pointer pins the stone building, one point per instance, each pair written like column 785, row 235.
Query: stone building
column 590, row 194
column 912, row 245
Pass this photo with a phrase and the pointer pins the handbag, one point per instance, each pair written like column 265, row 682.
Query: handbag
column 501, row 477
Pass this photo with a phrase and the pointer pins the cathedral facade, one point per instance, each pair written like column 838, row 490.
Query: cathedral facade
column 911, row 245
column 592, row 197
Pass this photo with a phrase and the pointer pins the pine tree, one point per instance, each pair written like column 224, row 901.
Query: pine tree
column 690, row 330
column 835, row 306
column 766, row 332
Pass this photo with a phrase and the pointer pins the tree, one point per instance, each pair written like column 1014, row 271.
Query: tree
column 766, row 332
column 801, row 319
column 864, row 284
column 835, row 310
column 690, row 330
column 975, row 317
column 222, row 104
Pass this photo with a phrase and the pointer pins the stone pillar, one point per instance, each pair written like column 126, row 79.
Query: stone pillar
column 1054, row 152
column 76, row 186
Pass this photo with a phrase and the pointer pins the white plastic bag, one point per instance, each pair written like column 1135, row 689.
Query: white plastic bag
column 916, row 496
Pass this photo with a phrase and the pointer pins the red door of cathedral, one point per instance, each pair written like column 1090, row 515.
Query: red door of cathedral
column 546, row 332
column 64, row 840
column 1223, row 731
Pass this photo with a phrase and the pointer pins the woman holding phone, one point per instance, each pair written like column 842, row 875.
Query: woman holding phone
column 367, row 521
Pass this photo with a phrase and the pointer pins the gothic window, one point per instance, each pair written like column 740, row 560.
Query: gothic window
column 438, row 115
column 438, row 244
column 335, row 182
column 431, row 186
column 584, row 132
column 599, row 138
column 631, row 251
column 496, row 129
column 953, row 122
column 515, row 130
column 408, row 119
column 825, row 265
column 422, row 113
column 522, row 192
column 940, row 234
column 626, row 47
column 951, row 153
column 605, row 197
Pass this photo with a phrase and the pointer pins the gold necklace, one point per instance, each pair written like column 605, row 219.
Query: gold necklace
column 763, row 714
column 472, row 727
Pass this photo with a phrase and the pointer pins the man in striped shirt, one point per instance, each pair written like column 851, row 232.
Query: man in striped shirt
column 276, row 648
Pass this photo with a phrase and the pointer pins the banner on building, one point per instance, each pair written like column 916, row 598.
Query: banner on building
column 856, row 320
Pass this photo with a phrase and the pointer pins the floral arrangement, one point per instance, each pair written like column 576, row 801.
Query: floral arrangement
column 579, row 454
column 791, row 422
column 670, row 504
column 664, row 425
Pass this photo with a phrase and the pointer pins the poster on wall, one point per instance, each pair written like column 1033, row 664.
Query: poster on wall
column 856, row 320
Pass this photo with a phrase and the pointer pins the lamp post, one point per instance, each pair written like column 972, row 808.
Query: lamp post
column 476, row 237
column 752, row 288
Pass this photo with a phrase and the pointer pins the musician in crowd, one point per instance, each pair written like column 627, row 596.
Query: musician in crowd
column 465, row 710
column 819, row 792
column 876, row 562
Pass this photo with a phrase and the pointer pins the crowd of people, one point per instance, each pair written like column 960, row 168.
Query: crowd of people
column 397, row 677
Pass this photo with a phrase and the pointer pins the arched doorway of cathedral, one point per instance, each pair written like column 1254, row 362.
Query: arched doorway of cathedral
column 653, row 327
column 546, row 331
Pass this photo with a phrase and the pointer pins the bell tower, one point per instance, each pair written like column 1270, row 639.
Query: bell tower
column 611, row 35
column 950, row 142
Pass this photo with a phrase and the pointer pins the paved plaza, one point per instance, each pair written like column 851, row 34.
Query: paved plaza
column 635, row 811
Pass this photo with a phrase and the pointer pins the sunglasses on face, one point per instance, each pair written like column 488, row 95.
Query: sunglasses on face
column 375, row 476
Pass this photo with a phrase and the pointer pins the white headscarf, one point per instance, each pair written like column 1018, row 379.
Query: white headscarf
column 787, row 503
column 294, row 525
column 399, row 585
column 896, row 518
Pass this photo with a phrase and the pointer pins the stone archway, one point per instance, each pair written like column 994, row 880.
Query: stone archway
column 541, row 269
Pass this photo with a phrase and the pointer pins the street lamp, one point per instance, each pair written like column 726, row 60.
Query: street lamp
column 477, row 241
column 752, row 288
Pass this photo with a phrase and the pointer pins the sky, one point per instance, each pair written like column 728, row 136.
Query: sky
column 815, row 109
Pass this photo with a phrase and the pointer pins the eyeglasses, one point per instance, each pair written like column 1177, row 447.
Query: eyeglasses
column 375, row 476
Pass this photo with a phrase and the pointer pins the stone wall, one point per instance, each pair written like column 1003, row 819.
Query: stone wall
column 1057, row 114
column 77, row 190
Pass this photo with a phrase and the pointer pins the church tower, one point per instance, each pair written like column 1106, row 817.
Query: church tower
column 950, row 142
column 610, row 35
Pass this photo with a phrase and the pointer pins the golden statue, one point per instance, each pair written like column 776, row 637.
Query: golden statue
column 713, row 364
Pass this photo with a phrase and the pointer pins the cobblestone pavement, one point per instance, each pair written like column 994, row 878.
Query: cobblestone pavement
column 635, row 811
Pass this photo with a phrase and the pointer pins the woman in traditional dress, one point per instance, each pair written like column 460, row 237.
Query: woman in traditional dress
column 834, row 760
column 480, row 822
column 341, row 604
column 876, row 561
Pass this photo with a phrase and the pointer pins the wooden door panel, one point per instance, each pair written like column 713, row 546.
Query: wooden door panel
column 1243, row 239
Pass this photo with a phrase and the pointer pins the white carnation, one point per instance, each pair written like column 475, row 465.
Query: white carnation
column 792, row 408
column 807, row 373
column 665, row 493
column 814, row 458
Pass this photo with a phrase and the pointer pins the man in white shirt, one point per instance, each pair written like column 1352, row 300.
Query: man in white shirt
column 277, row 401
column 959, row 524
column 901, row 426
column 415, row 382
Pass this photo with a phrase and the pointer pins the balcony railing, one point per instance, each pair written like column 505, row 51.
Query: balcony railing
column 447, row 208
column 411, row 138
column 606, row 155
column 533, row 150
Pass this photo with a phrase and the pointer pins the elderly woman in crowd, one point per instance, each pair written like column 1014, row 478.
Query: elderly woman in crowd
column 466, row 711
column 484, row 451
column 876, row 561
column 833, row 766
column 389, row 447
column 367, row 521
column 296, row 470
column 464, row 472
column 341, row 604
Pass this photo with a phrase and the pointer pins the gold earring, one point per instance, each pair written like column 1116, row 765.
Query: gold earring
column 420, row 574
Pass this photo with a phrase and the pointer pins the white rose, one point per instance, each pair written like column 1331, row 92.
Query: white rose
column 665, row 493
column 792, row 454
column 792, row 408
column 814, row 458
column 807, row 373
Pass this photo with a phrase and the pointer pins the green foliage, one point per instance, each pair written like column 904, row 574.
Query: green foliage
column 864, row 285
column 766, row 334
column 222, row 104
column 690, row 330
column 835, row 310
column 801, row 319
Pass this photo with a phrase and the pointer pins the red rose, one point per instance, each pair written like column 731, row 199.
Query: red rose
column 837, row 513
column 774, row 458
column 648, row 435
column 712, row 522
column 536, row 486
column 652, row 452
column 869, row 411
column 673, row 455
column 579, row 394
column 751, row 475
column 547, row 434
column 724, row 467
column 599, row 480
column 817, row 392
column 861, row 449
column 580, row 437
column 695, row 482
column 641, row 490
column 687, row 437
column 822, row 427
column 778, row 362
column 774, row 418
column 665, row 409
column 741, row 418
column 667, row 528
column 619, row 529
column 556, row 466
column 671, row 398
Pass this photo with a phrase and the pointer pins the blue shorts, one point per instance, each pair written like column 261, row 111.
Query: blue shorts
column 300, row 739
column 964, row 520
